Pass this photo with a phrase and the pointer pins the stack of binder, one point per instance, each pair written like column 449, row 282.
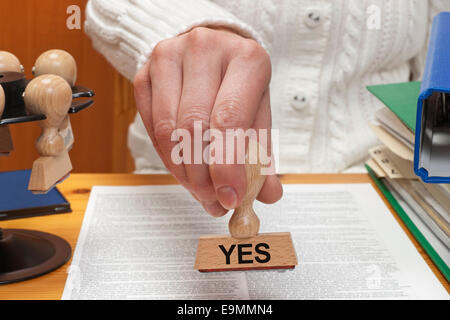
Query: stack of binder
column 423, row 207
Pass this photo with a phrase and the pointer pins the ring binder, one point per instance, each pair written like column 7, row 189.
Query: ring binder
column 432, row 141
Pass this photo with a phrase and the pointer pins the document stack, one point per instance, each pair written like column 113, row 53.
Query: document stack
column 423, row 207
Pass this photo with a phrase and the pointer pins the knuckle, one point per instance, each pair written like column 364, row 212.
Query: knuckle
column 266, row 64
column 199, row 38
column 163, row 130
column 229, row 115
column 200, row 34
column 258, row 57
column 203, row 189
column 195, row 114
column 164, row 50
column 159, row 50
column 251, row 49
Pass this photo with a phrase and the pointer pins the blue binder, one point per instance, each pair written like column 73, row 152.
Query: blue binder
column 432, row 140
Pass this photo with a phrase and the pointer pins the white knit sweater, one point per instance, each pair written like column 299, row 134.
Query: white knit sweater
column 324, row 53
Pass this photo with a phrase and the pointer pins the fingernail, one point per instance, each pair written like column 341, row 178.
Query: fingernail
column 214, row 208
column 227, row 197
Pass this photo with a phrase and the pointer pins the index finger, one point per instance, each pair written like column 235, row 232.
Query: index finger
column 238, row 100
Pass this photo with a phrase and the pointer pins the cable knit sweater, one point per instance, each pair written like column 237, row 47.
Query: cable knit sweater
column 324, row 53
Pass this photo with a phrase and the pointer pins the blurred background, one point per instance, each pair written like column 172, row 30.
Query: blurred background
column 30, row 27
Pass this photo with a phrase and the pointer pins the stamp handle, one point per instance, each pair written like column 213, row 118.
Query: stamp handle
column 57, row 62
column 245, row 223
column 52, row 96
column 9, row 63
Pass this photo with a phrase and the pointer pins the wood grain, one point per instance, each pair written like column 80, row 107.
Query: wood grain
column 6, row 144
column 9, row 62
column 29, row 28
column 47, row 171
column 50, row 95
column 58, row 62
column 279, row 246
column 244, row 222
column 77, row 189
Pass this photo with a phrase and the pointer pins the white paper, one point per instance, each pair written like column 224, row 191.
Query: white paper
column 395, row 126
column 140, row 243
column 420, row 212
column 410, row 209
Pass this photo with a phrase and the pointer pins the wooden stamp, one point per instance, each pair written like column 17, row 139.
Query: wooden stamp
column 63, row 64
column 245, row 249
column 50, row 95
column 6, row 145
column 9, row 63
column 57, row 62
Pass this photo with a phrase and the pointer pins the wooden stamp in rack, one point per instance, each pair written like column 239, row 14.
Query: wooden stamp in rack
column 49, row 99
column 52, row 96
column 8, row 63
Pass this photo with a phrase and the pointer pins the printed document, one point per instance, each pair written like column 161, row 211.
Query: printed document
column 141, row 242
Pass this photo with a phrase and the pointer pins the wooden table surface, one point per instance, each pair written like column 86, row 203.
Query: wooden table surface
column 77, row 189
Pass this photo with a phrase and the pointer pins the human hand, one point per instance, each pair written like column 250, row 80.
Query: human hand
column 220, row 79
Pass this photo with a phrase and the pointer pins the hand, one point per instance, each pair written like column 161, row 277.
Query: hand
column 216, row 77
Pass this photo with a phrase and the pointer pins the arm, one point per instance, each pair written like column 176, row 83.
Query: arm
column 191, row 61
column 126, row 32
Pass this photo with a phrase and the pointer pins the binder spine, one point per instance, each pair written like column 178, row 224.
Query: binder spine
column 432, row 140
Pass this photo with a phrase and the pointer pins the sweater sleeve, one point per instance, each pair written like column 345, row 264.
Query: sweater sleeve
column 126, row 31
column 418, row 62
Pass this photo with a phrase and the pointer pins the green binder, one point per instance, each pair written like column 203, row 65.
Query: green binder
column 400, row 98
column 434, row 256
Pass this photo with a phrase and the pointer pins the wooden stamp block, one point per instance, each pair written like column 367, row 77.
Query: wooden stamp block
column 6, row 144
column 48, row 171
column 245, row 249
column 264, row 251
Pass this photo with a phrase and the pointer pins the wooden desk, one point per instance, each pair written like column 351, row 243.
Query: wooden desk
column 77, row 189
